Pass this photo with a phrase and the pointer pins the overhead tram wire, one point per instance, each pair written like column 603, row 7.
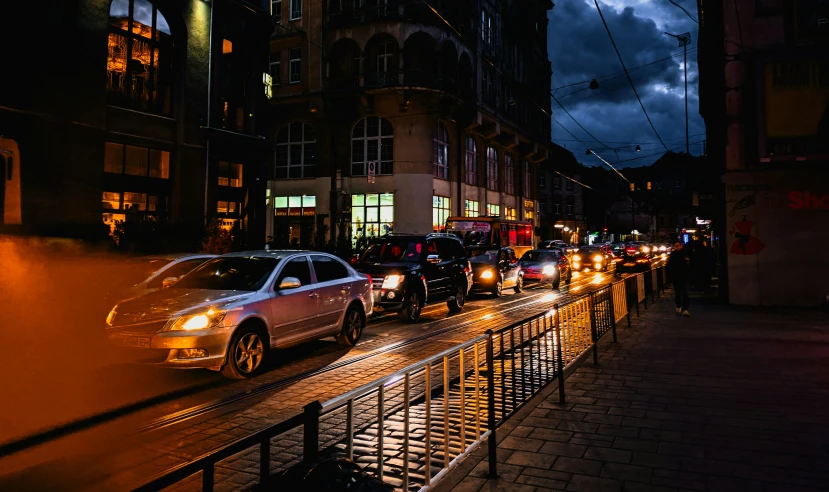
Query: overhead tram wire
column 632, row 85
column 683, row 9
column 577, row 123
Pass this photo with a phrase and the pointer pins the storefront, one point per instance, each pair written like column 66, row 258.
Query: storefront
column 294, row 221
column 372, row 215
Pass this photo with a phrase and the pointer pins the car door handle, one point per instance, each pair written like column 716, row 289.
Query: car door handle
column 313, row 295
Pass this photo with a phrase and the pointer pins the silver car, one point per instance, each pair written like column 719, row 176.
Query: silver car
column 160, row 271
column 229, row 312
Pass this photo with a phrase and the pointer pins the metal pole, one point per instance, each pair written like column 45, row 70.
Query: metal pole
column 311, row 432
column 591, row 311
column 559, row 356
column 685, row 69
column 613, row 314
column 490, row 382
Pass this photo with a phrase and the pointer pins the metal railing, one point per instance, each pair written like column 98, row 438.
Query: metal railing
column 412, row 427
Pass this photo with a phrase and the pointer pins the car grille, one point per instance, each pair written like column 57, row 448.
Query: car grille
column 377, row 282
column 122, row 327
column 532, row 270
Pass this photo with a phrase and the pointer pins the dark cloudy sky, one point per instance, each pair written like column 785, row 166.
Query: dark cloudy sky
column 580, row 50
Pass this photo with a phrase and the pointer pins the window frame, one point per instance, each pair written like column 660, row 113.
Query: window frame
column 239, row 182
column 509, row 174
column 471, row 161
column 440, row 151
column 441, row 210
column 331, row 260
column 295, row 10
column 276, row 75
column 491, row 207
column 492, row 182
column 294, row 66
column 304, row 143
column 277, row 17
column 568, row 185
column 471, row 207
column 385, row 166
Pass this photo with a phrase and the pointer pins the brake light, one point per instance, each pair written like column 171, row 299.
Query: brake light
column 370, row 280
column 641, row 260
column 617, row 259
column 630, row 251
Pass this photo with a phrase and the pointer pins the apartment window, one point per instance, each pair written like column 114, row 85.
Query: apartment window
column 493, row 210
column 491, row 169
column 136, row 179
column 570, row 209
column 275, row 68
column 542, row 208
column 296, row 151
column 556, row 182
column 542, row 181
column 471, row 208
column 385, row 58
column 230, row 174
column 511, row 214
column 440, row 212
column 486, row 27
column 471, row 161
column 509, row 175
column 139, row 56
column 276, row 11
column 528, row 180
column 296, row 9
column 372, row 214
column 569, row 185
column 440, row 151
column 294, row 65
column 372, row 140
column 557, row 208
column 488, row 85
column 136, row 161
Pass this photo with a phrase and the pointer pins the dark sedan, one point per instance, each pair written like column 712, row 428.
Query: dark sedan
column 632, row 260
column 494, row 270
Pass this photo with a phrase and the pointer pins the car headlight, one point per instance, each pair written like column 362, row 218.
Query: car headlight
column 486, row 274
column 392, row 281
column 200, row 321
column 548, row 270
column 597, row 259
column 577, row 258
column 645, row 250
column 111, row 316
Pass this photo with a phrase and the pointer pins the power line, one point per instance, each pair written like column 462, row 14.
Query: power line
column 628, row 143
column 618, row 55
column 576, row 121
column 683, row 9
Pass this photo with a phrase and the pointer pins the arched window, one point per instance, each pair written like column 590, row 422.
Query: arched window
column 491, row 168
column 471, row 161
column 140, row 56
column 296, row 152
column 509, row 175
column 440, row 151
column 372, row 141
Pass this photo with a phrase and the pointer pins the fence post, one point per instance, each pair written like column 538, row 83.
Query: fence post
column 311, row 431
column 612, row 313
column 559, row 356
column 591, row 307
column 490, row 381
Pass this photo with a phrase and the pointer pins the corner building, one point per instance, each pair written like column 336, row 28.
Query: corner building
column 390, row 116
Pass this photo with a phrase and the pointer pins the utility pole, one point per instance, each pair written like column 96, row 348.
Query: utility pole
column 684, row 39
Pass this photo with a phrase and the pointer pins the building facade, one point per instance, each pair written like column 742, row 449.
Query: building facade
column 392, row 116
column 153, row 120
column 561, row 197
column 764, row 94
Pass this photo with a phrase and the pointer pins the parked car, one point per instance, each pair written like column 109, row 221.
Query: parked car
column 546, row 266
column 634, row 260
column 590, row 257
column 410, row 270
column 159, row 271
column 230, row 311
column 551, row 244
column 494, row 270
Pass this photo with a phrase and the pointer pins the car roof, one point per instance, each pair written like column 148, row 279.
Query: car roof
column 272, row 253
column 174, row 256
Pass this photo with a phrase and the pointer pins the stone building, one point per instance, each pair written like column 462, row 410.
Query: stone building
column 561, row 197
column 394, row 115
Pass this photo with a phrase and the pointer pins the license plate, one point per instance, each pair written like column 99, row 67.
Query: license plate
column 532, row 275
column 630, row 264
column 139, row 342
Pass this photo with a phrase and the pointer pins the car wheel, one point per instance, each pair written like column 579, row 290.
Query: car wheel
column 411, row 309
column 557, row 284
column 569, row 278
column 499, row 289
column 353, row 324
column 519, row 284
column 246, row 353
column 457, row 303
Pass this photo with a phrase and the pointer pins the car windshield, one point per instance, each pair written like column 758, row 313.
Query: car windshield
column 481, row 255
column 248, row 273
column 541, row 256
column 393, row 250
column 588, row 251
column 139, row 269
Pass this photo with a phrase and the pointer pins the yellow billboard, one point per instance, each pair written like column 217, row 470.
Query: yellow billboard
column 796, row 98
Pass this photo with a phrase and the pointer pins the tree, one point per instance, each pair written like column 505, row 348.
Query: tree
column 217, row 240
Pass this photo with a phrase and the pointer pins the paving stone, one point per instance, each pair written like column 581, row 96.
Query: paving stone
column 563, row 449
column 577, row 465
column 521, row 443
column 546, row 483
column 636, row 445
column 608, row 454
column 631, row 473
column 535, row 460
column 584, row 483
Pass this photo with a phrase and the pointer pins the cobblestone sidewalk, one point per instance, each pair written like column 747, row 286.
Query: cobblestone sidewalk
column 731, row 399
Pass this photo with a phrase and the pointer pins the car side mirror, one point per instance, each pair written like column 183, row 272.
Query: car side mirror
column 290, row 283
column 168, row 282
column 433, row 259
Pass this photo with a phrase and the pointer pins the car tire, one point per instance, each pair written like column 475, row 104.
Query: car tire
column 456, row 304
column 569, row 278
column 499, row 289
column 411, row 309
column 247, row 352
column 354, row 322
column 557, row 284
column 519, row 284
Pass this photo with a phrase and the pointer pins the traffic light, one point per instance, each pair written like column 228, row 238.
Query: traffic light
column 649, row 185
column 632, row 186
column 605, row 229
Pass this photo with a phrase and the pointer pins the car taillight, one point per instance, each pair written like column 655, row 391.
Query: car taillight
column 370, row 280
column 617, row 259
column 630, row 251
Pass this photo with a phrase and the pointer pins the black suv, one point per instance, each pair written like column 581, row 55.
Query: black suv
column 409, row 270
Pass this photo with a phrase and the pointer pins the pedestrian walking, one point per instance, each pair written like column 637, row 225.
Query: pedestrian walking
column 679, row 275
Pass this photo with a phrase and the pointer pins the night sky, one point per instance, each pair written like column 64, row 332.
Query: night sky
column 580, row 50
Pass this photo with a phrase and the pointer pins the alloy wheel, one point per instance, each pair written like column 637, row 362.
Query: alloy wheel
column 249, row 352
column 354, row 325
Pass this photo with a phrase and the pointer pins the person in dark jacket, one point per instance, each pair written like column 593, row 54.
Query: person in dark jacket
column 679, row 275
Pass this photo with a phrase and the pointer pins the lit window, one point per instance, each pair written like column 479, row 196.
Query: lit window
column 493, row 210
column 111, row 200
column 372, row 215
column 228, row 208
column 275, row 68
column 471, row 161
column 294, row 65
column 486, row 27
column 471, row 208
column 440, row 151
column 296, row 151
column 139, row 59
column 509, row 175
column 230, row 174
column 511, row 214
column 440, row 212
column 276, row 11
column 296, row 9
column 372, row 140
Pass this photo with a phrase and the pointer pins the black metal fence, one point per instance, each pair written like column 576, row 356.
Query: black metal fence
column 411, row 427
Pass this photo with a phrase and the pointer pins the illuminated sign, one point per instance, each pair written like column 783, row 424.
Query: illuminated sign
column 267, row 81
column 807, row 201
column 702, row 221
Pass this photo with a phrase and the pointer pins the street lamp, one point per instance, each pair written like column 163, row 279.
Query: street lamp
column 684, row 39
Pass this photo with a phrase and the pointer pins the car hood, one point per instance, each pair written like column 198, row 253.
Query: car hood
column 383, row 269
column 166, row 303
column 535, row 264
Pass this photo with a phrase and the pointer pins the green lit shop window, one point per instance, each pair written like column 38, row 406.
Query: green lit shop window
column 372, row 215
